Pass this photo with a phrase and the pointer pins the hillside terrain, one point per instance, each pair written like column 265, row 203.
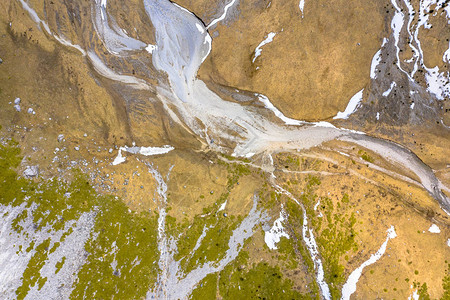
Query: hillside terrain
column 224, row 149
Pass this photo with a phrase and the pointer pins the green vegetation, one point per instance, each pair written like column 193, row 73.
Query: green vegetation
column 213, row 246
column 130, row 240
column 295, row 218
column 446, row 284
column 260, row 282
column 206, row 289
column 422, row 290
column 31, row 275
column 238, row 281
column 335, row 233
column 60, row 264
column 365, row 156
column 218, row 228
column 287, row 252
column 118, row 235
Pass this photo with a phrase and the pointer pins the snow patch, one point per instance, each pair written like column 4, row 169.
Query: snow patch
column 150, row 48
column 279, row 114
column 223, row 205
column 119, row 159
column 376, row 60
column 388, row 91
column 446, row 56
column 414, row 296
column 250, row 154
column 155, row 150
column 147, row 151
column 267, row 40
column 273, row 236
column 323, row 124
column 317, row 205
column 222, row 17
column 437, row 83
column 200, row 28
column 350, row 286
column 301, row 5
column 434, row 229
column 352, row 105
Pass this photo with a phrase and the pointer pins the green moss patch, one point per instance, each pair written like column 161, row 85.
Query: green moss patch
column 120, row 237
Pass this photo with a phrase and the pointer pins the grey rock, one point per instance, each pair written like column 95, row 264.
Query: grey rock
column 31, row 171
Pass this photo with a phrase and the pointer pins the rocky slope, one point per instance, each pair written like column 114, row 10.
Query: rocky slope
column 224, row 149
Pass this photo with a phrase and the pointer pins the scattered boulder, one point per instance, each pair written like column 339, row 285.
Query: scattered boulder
column 17, row 104
column 31, row 171
column 61, row 138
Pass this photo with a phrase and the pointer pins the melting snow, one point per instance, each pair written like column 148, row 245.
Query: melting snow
column 104, row 70
column 434, row 229
column 222, row 17
column 155, row 150
column 323, row 124
column 310, row 241
column 301, row 5
column 223, row 205
column 279, row 114
column 414, row 296
column 386, row 93
column 446, row 56
column 150, row 48
column 350, row 286
column 200, row 28
column 437, row 83
column 376, row 61
column 352, row 105
column 273, row 236
column 119, row 159
column 267, row 40
column 314, row 251
column 317, row 205
column 147, row 151
column 250, row 154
